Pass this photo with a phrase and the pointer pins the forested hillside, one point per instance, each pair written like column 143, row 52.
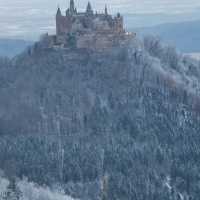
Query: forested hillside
column 120, row 124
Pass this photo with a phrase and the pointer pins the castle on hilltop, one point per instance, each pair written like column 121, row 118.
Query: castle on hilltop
column 89, row 29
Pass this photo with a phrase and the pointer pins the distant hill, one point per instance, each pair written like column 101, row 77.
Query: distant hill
column 184, row 35
column 12, row 47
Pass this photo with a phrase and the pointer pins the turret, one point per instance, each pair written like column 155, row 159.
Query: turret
column 58, row 18
column 118, row 15
column 67, row 12
column 106, row 10
column 75, row 11
column 71, row 5
column 89, row 9
column 58, row 12
column 72, row 8
column 119, row 23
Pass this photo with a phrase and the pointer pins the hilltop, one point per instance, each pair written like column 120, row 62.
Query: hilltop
column 128, row 117
column 96, row 113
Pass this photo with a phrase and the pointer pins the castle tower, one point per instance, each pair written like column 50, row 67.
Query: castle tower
column 58, row 12
column 58, row 17
column 119, row 28
column 72, row 8
column 89, row 10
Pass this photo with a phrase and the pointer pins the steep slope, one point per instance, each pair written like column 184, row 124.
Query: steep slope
column 29, row 190
column 126, row 117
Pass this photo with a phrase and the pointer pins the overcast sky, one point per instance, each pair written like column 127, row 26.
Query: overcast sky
column 131, row 6
column 21, row 17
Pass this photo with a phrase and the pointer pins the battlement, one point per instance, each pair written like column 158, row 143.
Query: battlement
column 88, row 29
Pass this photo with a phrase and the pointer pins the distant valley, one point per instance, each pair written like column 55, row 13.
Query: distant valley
column 12, row 47
column 185, row 36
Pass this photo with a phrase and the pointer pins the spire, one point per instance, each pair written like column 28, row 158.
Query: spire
column 75, row 10
column 106, row 10
column 72, row 4
column 67, row 12
column 118, row 15
column 72, row 7
column 58, row 12
column 89, row 8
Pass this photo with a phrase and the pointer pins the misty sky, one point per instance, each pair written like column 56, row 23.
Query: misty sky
column 22, row 17
column 130, row 6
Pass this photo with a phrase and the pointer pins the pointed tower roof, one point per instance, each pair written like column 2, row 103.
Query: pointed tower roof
column 72, row 6
column 89, row 8
column 59, row 11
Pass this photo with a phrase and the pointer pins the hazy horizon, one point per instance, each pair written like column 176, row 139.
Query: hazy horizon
column 28, row 19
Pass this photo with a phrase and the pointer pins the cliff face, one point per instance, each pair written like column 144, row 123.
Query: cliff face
column 130, row 114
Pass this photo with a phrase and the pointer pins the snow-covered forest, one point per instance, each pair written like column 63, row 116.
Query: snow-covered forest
column 23, row 190
column 122, row 124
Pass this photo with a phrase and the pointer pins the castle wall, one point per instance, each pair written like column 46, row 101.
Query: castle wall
column 85, row 41
column 63, row 25
column 102, row 42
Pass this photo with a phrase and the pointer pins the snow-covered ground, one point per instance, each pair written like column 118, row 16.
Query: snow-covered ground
column 194, row 55
column 31, row 191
